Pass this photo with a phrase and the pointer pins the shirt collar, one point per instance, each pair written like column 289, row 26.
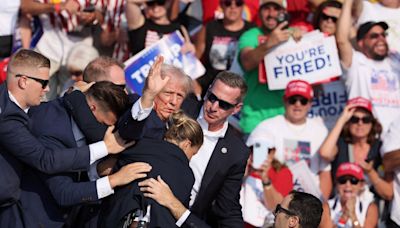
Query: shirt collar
column 13, row 99
column 204, row 126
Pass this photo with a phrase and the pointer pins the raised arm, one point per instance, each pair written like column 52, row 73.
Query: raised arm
column 343, row 34
column 35, row 8
column 328, row 149
column 133, row 14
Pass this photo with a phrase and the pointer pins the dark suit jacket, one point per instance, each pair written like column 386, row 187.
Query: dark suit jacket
column 17, row 144
column 168, row 161
column 217, row 201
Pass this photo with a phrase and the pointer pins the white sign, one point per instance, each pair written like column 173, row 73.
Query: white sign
column 303, row 179
column 313, row 59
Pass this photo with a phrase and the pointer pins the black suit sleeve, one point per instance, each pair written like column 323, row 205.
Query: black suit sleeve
column 227, row 208
column 19, row 141
column 194, row 222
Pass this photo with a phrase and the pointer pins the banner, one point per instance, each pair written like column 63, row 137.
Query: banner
column 313, row 59
column 169, row 46
column 330, row 103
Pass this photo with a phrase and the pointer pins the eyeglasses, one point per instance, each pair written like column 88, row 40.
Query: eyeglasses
column 76, row 73
column 293, row 100
column 228, row 3
column 43, row 82
column 279, row 209
column 327, row 17
column 365, row 119
column 344, row 179
column 157, row 2
column 377, row 35
column 221, row 103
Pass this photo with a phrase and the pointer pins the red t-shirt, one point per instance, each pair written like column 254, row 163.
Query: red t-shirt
column 282, row 180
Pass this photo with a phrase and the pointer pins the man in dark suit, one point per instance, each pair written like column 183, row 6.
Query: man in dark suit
column 218, row 166
column 27, row 80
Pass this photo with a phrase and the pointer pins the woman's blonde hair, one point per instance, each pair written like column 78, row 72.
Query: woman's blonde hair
column 181, row 127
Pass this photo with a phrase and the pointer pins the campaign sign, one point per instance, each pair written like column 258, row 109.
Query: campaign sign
column 169, row 47
column 329, row 105
column 303, row 179
column 313, row 59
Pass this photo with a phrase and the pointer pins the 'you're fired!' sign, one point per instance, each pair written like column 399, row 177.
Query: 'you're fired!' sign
column 313, row 59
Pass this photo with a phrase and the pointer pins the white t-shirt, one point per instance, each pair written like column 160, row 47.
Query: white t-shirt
column 8, row 16
column 378, row 81
column 294, row 143
column 391, row 142
column 378, row 12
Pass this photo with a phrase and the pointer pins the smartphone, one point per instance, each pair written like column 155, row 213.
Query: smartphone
column 260, row 153
column 282, row 17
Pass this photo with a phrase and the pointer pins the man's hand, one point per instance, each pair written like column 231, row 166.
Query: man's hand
column 129, row 173
column 155, row 82
column 157, row 190
column 114, row 142
column 278, row 35
column 82, row 86
column 70, row 5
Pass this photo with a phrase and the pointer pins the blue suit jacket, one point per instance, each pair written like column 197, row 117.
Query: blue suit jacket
column 18, row 146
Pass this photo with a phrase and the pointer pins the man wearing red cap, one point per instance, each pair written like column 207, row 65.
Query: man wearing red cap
column 372, row 72
column 296, row 137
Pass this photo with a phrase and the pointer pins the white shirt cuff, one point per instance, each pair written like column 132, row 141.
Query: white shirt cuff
column 139, row 113
column 183, row 218
column 97, row 150
column 103, row 187
column 92, row 173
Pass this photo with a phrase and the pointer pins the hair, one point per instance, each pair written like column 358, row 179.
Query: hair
column 177, row 74
column 321, row 7
column 373, row 135
column 109, row 96
column 181, row 127
column 81, row 55
column 234, row 81
column 98, row 69
column 25, row 58
column 307, row 207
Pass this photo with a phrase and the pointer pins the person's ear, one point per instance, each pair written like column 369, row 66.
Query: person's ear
column 237, row 108
column 186, row 144
column 92, row 107
column 22, row 82
column 294, row 221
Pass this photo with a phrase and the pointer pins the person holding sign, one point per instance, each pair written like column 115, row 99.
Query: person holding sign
column 298, row 138
column 372, row 72
column 146, row 29
column 261, row 103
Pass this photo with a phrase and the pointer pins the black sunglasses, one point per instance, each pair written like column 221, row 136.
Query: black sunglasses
column 76, row 73
column 228, row 3
column 365, row 119
column 344, row 179
column 157, row 2
column 327, row 17
column 43, row 82
column 221, row 103
column 377, row 35
column 279, row 209
column 293, row 100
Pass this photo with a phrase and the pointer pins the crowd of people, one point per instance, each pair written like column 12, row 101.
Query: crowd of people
column 79, row 148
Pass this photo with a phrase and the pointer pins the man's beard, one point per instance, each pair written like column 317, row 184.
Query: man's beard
column 376, row 56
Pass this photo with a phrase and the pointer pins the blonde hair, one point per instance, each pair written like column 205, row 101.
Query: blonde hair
column 181, row 127
column 26, row 58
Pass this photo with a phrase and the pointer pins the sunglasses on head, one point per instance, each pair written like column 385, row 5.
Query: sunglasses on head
column 228, row 3
column 157, row 2
column 293, row 100
column 43, row 82
column 344, row 179
column 365, row 119
column 327, row 17
column 221, row 103
column 377, row 35
column 279, row 209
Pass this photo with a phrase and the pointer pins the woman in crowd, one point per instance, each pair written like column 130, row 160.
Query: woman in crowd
column 356, row 138
column 348, row 209
column 326, row 15
column 170, row 160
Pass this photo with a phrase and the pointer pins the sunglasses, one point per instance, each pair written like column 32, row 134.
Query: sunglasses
column 279, row 209
column 365, row 119
column 228, row 3
column 221, row 103
column 43, row 82
column 344, row 179
column 293, row 100
column 76, row 73
column 157, row 2
column 327, row 17
column 377, row 35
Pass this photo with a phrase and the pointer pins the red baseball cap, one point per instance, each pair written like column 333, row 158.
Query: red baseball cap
column 361, row 102
column 299, row 87
column 350, row 169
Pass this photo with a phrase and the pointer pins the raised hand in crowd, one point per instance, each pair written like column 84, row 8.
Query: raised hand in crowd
column 279, row 35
